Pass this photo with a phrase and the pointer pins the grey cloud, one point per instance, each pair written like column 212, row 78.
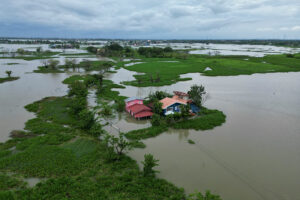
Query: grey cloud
column 173, row 18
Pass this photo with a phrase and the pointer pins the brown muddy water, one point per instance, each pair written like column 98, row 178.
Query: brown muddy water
column 254, row 155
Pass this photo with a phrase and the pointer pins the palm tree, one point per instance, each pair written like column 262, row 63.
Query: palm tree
column 8, row 73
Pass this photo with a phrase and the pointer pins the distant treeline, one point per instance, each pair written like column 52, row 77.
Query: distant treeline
column 115, row 49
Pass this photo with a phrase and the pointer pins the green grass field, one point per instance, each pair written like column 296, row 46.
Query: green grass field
column 169, row 72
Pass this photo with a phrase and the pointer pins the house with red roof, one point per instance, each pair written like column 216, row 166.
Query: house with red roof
column 136, row 108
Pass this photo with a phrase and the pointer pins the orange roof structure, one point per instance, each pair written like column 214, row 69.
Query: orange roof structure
column 180, row 99
column 170, row 101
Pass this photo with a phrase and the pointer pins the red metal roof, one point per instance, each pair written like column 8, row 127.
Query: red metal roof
column 143, row 114
column 136, row 108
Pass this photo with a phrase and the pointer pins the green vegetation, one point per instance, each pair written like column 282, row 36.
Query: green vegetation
column 107, row 93
column 197, row 94
column 53, row 109
column 145, row 133
column 77, row 168
column 149, row 162
column 75, row 54
column 205, row 120
column 9, row 182
column 102, row 66
column 49, row 66
column 169, row 72
column 2, row 80
column 47, row 70
column 208, row 119
column 191, row 141
column 12, row 63
column 65, row 145
column 9, row 77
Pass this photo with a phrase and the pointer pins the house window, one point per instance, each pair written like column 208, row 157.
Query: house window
column 170, row 109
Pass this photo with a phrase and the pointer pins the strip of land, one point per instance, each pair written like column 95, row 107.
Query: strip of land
column 3, row 80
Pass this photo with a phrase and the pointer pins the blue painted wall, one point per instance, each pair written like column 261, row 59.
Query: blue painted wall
column 175, row 107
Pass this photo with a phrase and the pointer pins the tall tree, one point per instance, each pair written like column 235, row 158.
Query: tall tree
column 197, row 94
column 8, row 73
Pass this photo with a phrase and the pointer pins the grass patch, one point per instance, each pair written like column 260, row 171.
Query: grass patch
column 2, row 80
column 107, row 93
column 8, row 182
column 54, row 109
column 39, row 126
column 82, row 147
column 191, row 141
column 145, row 133
column 42, row 161
column 74, row 78
column 50, row 139
column 169, row 72
column 208, row 120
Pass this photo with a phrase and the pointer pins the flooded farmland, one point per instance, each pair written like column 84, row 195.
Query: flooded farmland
column 255, row 154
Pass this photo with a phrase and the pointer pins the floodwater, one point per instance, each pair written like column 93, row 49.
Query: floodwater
column 30, row 87
column 254, row 155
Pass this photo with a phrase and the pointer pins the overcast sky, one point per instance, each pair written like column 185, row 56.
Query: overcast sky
column 151, row 19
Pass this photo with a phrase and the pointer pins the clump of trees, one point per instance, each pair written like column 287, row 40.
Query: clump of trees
column 78, row 108
column 70, row 63
column 197, row 94
column 113, row 49
column 158, row 95
column 92, row 49
column 117, row 146
column 50, row 63
column 155, row 52
column 120, row 105
column 77, row 89
column 21, row 51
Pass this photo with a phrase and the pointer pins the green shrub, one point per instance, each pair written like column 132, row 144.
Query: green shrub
column 149, row 162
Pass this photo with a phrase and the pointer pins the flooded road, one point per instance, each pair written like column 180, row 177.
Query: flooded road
column 254, row 155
